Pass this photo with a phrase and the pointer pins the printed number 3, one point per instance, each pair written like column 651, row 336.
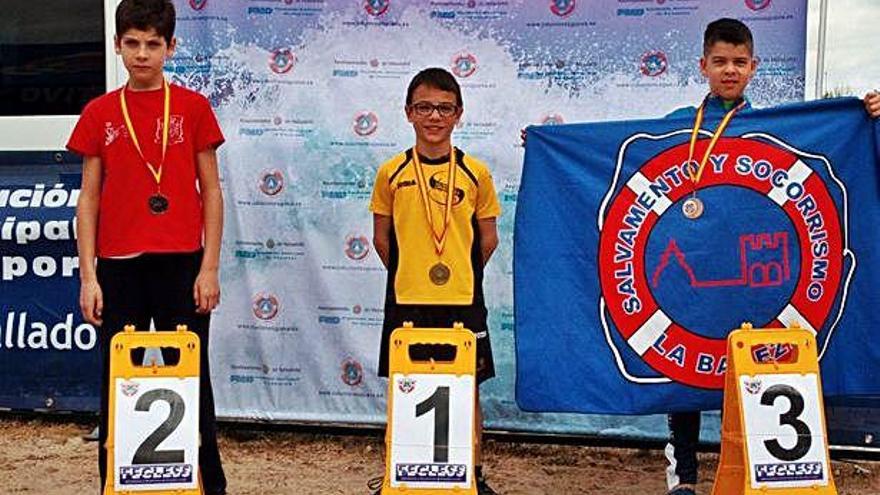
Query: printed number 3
column 790, row 418
column 147, row 453
column 439, row 402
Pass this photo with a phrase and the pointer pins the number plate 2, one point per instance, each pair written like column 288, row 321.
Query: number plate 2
column 784, row 430
column 156, row 434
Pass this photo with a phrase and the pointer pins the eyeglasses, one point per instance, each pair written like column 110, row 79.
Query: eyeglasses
column 425, row 109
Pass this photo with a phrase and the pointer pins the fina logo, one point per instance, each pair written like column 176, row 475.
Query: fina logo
column 271, row 182
column 352, row 372
column 774, row 229
column 265, row 306
column 376, row 7
column 365, row 123
column 406, row 384
column 198, row 4
column 357, row 247
column 653, row 63
column 282, row 60
column 128, row 388
column 464, row 64
column 758, row 4
column 752, row 386
column 552, row 118
column 562, row 8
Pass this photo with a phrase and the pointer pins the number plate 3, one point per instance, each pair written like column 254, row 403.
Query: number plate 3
column 784, row 430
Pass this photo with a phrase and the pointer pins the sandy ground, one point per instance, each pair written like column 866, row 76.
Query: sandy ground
column 39, row 456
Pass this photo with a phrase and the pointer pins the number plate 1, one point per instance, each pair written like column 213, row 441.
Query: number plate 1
column 432, row 433
column 156, row 439
column 784, row 430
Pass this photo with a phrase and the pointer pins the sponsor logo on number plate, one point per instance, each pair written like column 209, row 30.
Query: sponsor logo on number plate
column 155, row 474
column 431, row 473
column 793, row 471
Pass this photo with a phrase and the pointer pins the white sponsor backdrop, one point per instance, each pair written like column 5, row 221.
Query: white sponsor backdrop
column 310, row 95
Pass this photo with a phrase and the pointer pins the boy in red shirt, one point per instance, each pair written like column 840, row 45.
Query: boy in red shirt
column 150, row 208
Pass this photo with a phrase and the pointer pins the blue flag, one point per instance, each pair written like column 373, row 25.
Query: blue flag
column 623, row 302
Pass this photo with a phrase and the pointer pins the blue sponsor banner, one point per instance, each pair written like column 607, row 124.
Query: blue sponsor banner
column 48, row 355
column 623, row 303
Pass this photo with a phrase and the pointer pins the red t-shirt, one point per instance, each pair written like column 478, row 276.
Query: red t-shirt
column 125, row 223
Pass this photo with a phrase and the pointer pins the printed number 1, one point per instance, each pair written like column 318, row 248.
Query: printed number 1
column 439, row 402
column 789, row 418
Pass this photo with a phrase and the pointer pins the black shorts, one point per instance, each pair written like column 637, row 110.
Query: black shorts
column 431, row 316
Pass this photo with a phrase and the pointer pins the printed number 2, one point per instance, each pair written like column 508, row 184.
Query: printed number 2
column 439, row 402
column 147, row 453
column 790, row 418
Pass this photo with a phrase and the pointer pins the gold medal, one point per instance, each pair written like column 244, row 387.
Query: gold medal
column 423, row 183
column 692, row 207
column 439, row 274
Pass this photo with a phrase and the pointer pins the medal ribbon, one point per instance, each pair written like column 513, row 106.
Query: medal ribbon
column 698, row 121
column 166, row 117
column 439, row 239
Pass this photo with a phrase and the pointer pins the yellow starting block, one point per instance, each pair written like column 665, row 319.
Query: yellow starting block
column 773, row 437
column 152, row 406
column 431, row 412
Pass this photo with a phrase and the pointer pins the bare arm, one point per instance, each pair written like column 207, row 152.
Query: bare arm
column 206, row 291
column 488, row 237
column 91, row 299
column 382, row 236
column 872, row 104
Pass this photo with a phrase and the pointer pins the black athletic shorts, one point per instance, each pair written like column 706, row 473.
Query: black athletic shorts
column 432, row 316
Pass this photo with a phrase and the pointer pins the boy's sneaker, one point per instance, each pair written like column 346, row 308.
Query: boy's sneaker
column 683, row 490
column 483, row 488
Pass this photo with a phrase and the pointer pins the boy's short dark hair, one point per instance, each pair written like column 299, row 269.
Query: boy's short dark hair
column 438, row 78
column 730, row 31
column 146, row 14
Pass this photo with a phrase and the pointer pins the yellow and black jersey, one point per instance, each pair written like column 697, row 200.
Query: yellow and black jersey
column 413, row 254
